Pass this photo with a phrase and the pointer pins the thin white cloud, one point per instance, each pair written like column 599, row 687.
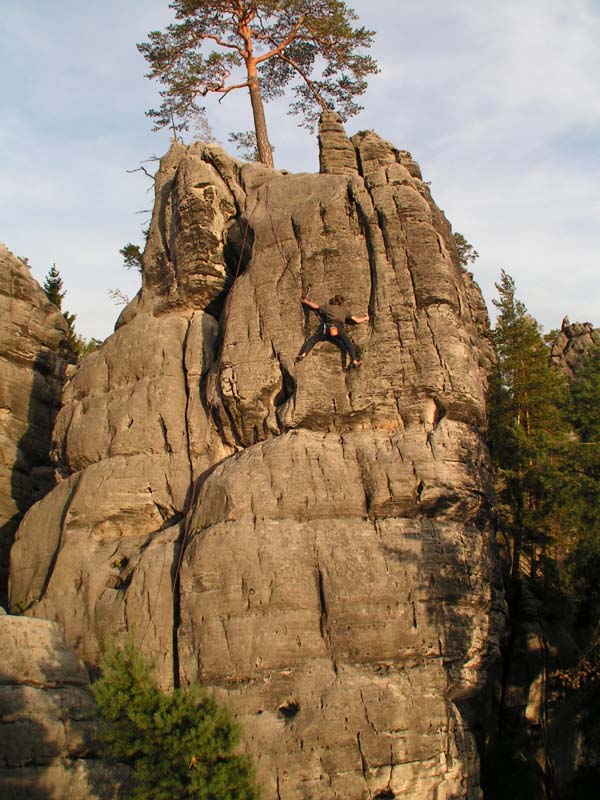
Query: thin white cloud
column 497, row 100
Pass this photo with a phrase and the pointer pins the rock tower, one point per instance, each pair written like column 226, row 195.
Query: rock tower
column 311, row 542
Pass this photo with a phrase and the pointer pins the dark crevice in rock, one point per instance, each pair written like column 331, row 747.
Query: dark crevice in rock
column 365, row 229
column 410, row 264
column 289, row 709
column 439, row 413
column 216, row 419
column 359, row 163
column 419, row 489
column 288, row 388
column 217, row 304
column 323, row 607
column 188, row 400
column 163, row 428
column 363, row 761
column 178, row 553
column 304, row 289
column 59, row 453
column 239, row 243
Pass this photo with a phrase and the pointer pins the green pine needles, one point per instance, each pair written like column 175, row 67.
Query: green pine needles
column 266, row 47
column 180, row 744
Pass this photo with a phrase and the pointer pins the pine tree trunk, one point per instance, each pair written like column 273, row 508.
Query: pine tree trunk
column 260, row 123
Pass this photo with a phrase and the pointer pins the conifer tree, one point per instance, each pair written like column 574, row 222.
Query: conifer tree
column 76, row 346
column 582, row 495
column 466, row 252
column 53, row 287
column 179, row 744
column 527, row 427
column 308, row 43
column 132, row 256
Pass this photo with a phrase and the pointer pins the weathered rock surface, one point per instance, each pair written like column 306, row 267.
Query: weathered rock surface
column 571, row 344
column 337, row 156
column 32, row 334
column 313, row 543
column 47, row 727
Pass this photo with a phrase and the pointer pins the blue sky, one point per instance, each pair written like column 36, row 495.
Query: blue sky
column 498, row 102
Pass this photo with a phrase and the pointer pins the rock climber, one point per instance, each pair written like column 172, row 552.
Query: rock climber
column 333, row 315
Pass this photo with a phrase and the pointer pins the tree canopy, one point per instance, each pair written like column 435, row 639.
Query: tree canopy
column 526, row 424
column 270, row 44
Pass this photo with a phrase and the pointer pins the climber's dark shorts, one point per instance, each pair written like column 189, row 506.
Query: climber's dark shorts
column 322, row 334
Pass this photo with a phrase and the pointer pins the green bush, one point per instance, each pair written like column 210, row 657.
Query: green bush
column 180, row 744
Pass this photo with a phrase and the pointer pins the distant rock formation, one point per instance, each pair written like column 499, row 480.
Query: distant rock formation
column 573, row 341
column 47, row 725
column 313, row 543
column 32, row 336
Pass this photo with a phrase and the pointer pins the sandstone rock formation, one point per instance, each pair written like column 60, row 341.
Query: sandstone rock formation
column 47, row 729
column 32, row 334
column 573, row 341
column 313, row 543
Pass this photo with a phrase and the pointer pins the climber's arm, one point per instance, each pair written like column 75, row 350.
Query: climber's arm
column 358, row 320
column 310, row 304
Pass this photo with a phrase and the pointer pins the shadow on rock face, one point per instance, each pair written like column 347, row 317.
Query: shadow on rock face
column 48, row 731
column 32, row 472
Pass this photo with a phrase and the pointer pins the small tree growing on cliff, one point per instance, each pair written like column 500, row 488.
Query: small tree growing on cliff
column 179, row 744
column 273, row 43
column 466, row 252
column 132, row 256
column 53, row 287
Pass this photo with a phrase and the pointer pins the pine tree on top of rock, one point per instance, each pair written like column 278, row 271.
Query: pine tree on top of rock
column 310, row 44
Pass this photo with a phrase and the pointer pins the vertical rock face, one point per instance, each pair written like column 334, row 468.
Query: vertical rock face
column 46, row 719
column 32, row 333
column 311, row 542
